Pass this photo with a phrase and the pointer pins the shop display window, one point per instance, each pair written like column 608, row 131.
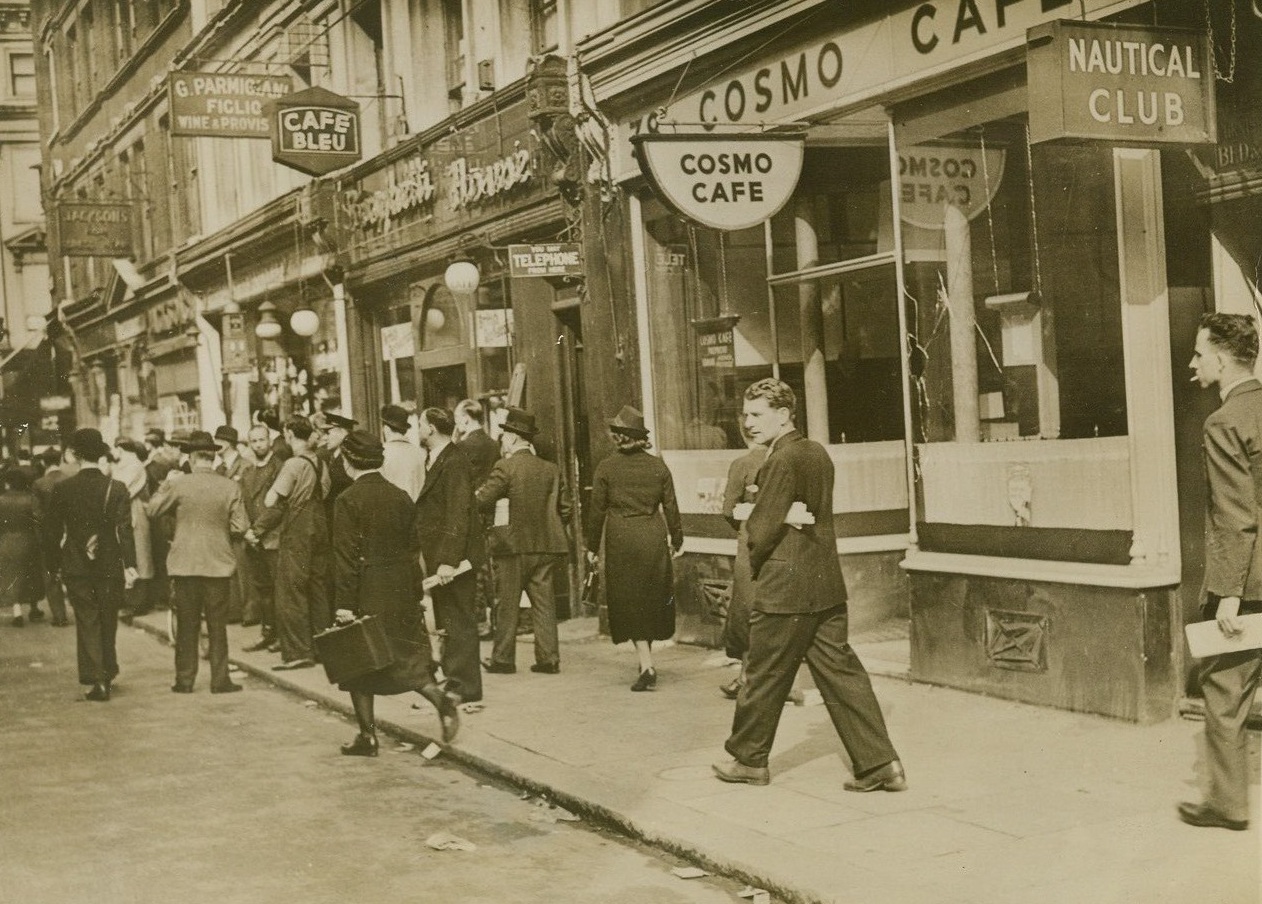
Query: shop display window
column 493, row 335
column 1011, row 268
column 824, row 319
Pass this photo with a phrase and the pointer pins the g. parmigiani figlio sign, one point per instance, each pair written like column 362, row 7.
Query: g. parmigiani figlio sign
column 726, row 182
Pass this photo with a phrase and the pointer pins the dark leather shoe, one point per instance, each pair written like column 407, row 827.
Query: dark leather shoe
column 1203, row 817
column 259, row 647
column 249, row 622
column 363, row 745
column 449, row 716
column 181, row 688
column 646, row 682
column 738, row 773
column 293, row 664
column 498, row 668
column 228, row 688
column 889, row 777
column 100, row 693
column 36, row 615
column 60, row 622
column 546, row 668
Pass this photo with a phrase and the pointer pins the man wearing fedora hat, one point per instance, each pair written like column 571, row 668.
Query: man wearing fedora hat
column 450, row 532
column 527, row 545
column 88, row 540
column 209, row 517
column 404, row 461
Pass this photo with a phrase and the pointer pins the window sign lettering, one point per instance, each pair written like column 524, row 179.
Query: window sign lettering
column 1123, row 84
column 414, row 190
column 469, row 183
column 932, row 178
column 726, row 182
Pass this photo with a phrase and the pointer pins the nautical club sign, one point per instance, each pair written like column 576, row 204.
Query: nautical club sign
column 315, row 131
column 726, row 182
column 1121, row 83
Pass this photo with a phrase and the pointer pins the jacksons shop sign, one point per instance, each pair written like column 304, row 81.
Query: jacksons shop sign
column 726, row 182
column 488, row 167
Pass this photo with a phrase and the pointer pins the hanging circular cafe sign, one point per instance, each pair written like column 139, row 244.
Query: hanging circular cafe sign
column 726, row 182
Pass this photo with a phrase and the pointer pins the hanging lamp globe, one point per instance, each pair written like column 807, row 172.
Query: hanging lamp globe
column 462, row 277
column 268, row 326
column 304, row 322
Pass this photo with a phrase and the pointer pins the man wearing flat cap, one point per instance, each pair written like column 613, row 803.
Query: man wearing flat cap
column 404, row 461
column 88, row 540
column 209, row 518
column 529, row 504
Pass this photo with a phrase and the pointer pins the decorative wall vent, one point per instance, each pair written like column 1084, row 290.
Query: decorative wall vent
column 1016, row 640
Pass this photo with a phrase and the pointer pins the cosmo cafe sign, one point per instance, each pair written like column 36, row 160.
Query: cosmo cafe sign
column 852, row 67
column 726, row 182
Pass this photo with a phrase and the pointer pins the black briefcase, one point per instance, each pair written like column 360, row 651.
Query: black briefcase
column 354, row 649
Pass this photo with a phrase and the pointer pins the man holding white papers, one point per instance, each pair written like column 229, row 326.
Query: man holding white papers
column 798, row 611
column 527, row 541
column 1226, row 352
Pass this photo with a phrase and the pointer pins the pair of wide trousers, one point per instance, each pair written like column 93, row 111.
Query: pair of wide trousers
column 456, row 611
column 531, row 572
column 96, row 601
column 260, row 587
column 301, row 589
column 1228, row 683
column 196, row 597
column 778, row 644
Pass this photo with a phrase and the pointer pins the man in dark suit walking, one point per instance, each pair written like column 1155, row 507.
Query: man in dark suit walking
column 88, row 541
column 529, row 506
column 209, row 518
column 798, row 610
column 450, row 532
column 59, row 467
column 260, row 555
column 483, row 452
column 1226, row 353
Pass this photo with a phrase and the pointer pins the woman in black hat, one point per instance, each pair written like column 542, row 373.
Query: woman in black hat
column 634, row 509
column 376, row 568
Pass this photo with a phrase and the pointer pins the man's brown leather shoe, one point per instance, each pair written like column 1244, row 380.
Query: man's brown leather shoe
column 736, row 771
column 889, row 777
column 1203, row 817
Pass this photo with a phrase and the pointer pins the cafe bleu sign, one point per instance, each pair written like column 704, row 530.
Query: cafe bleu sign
column 726, row 182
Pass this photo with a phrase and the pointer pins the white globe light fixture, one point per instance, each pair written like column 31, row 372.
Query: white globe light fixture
column 435, row 319
column 462, row 277
column 304, row 322
column 268, row 326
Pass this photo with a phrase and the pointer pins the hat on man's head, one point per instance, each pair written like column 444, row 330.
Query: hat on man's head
column 520, row 422
column 199, row 441
column 332, row 419
column 395, row 417
column 228, row 435
column 629, row 422
column 363, row 451
column 156, row 433
column 88, row 445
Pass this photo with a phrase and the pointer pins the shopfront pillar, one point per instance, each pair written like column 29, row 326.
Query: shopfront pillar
column 814, row 370
column 959, row 290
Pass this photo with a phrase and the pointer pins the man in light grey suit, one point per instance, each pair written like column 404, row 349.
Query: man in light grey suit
column 209, row 516
column 1226, row 352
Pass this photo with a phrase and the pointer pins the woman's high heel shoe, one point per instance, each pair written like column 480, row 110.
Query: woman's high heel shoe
column 646, row 682
column 363, row 745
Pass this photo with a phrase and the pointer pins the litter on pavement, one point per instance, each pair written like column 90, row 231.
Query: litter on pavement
column 689, row 872
column 431, row 751
column 445, row 841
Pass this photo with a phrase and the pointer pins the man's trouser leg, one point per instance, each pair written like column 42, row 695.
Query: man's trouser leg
column 236, row 594
column 1229, row 683
column 87, row 620
column 461, row 651
column 508, row 581
column 293, row 613
column 188, row 627
column 847, row 691
column 543, row 608
column 260, row 584
column 215, row 601
column 777, row 644
column 55, row 595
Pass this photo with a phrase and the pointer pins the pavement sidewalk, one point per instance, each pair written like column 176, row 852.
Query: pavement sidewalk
column 1007, row 802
